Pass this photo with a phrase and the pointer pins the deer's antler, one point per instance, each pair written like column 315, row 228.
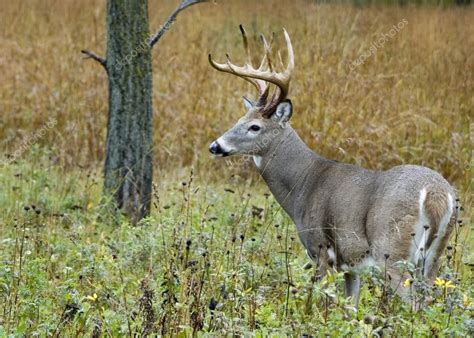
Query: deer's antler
column 265, row 74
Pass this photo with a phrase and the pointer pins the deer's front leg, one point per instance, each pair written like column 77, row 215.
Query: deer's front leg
column 352, row 286
column 322, row 260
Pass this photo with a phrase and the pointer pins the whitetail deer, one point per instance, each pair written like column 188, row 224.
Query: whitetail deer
column 347, row 217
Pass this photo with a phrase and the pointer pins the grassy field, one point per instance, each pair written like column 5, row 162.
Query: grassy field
column 218, row 255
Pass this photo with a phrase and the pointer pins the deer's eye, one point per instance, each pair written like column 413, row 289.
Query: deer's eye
column 254, row 127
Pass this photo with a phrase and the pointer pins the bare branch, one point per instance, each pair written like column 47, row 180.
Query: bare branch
column 94, row 56
column 172, row 18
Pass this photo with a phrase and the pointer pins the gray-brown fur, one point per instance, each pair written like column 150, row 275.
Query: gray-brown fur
column 342, row 208
column 350, row 208
column 345, row 215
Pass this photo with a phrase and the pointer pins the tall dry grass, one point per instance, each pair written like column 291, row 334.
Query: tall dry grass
column 411, row 101
column 66, row 269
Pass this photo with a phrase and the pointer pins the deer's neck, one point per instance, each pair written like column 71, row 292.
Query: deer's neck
column 286, row 168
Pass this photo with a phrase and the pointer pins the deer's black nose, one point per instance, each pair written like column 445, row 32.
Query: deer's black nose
column 215, row 148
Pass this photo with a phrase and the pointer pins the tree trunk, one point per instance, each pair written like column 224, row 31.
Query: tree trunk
column 128, row 164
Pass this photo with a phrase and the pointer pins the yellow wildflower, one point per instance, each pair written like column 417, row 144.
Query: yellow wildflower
column 92, row 298
column 444, row 284
column 449, row 284
column 407, row 282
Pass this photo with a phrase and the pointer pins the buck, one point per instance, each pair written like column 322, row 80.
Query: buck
column 347, row 217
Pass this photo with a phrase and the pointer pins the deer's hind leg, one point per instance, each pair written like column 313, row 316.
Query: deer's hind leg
column 440, row 208
column 395, row 245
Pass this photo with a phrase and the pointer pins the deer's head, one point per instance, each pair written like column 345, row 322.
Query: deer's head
column 261, row 126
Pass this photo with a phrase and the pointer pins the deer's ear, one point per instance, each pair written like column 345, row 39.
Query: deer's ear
column 248, row 103
column 283, row 111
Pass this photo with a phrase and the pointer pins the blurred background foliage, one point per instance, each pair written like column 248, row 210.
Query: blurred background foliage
column 411, row 101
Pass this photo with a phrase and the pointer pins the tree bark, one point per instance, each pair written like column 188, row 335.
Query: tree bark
column 128, row 164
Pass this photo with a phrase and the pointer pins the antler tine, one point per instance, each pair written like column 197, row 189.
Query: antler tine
column 281, row 60
column 259, row 84
column 263, row 63
column 291, row 54
column 228, row 67
column 246, row 45
column 267, row 46
column 261, row 77
column 284, row 78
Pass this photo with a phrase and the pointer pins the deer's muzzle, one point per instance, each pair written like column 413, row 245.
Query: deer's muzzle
column 216, row 149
